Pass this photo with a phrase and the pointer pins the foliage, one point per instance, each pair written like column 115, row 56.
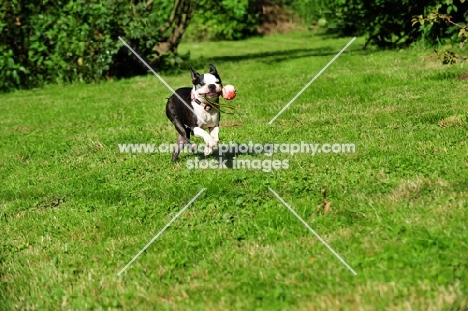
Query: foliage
column 56, row 41
column 456, row 32
column 224, row 20
column 439, row 28
column 310, row 11
column 384, row 22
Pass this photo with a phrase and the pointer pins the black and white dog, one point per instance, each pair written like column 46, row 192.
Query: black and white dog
column 199, row 114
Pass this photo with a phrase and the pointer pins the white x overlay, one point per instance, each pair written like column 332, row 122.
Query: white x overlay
column 161, row 79
column 201, row 191
column 312, row 230
column 310, row 82
column 160, row 232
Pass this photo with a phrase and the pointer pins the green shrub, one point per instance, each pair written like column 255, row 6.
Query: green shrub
column 440, row 28
column 224, row 20
column 54, row 41
column 384, row 22
column 443, row 21
column 310, row 11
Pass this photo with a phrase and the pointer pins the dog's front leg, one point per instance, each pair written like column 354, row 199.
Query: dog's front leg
column 209, row 141
column 214, row 132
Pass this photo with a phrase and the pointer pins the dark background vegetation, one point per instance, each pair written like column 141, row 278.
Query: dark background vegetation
column 56, row 41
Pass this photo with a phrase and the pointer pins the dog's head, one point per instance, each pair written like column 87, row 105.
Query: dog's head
column 207, row 85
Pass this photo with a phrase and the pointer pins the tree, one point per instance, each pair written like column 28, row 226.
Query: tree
column 53, row 41
column 176, row 24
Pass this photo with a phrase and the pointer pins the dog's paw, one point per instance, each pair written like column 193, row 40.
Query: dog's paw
column 212, row 143
column 193, row 147
column 208, row 151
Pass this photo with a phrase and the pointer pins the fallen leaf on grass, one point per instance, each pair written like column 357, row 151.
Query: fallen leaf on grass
column 325, row 205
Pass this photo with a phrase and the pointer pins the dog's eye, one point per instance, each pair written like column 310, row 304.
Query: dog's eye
column 202, row 83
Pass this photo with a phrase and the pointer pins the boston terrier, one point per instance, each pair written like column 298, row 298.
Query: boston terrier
column 192, row 110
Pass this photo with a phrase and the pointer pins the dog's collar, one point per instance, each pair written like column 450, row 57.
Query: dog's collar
column 207, row 107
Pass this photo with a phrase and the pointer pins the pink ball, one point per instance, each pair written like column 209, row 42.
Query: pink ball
column 229, row 92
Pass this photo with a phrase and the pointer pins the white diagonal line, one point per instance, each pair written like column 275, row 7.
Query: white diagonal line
column 308, row 84
column 161, row 79
column 160, row 232
column 312, row 230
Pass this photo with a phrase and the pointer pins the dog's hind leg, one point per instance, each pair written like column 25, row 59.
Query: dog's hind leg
column 179, row 146
column 182, row 140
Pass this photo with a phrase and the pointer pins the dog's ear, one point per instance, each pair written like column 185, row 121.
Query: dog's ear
column 213, row 70
column 195, row 75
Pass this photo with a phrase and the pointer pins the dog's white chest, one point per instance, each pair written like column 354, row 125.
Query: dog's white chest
column 211, row 118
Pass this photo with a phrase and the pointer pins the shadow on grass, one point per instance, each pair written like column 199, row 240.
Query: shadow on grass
column 271, row 57
column 267, row 57
column 232, row 158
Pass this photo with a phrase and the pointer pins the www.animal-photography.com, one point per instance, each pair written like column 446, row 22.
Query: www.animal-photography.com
column 252, row 155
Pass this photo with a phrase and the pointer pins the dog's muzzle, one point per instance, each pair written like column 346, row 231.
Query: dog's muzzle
column 212, row 95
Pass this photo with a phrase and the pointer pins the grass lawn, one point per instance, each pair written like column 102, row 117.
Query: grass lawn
column 74, row 210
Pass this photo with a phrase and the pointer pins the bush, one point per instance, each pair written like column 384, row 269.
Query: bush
column 310, row 11
column 54, row 41
column 224, row 20
column 442, row 24
column 385, row 23
column 440, row 28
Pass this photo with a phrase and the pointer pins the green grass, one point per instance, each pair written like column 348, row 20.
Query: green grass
column 74, row 210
